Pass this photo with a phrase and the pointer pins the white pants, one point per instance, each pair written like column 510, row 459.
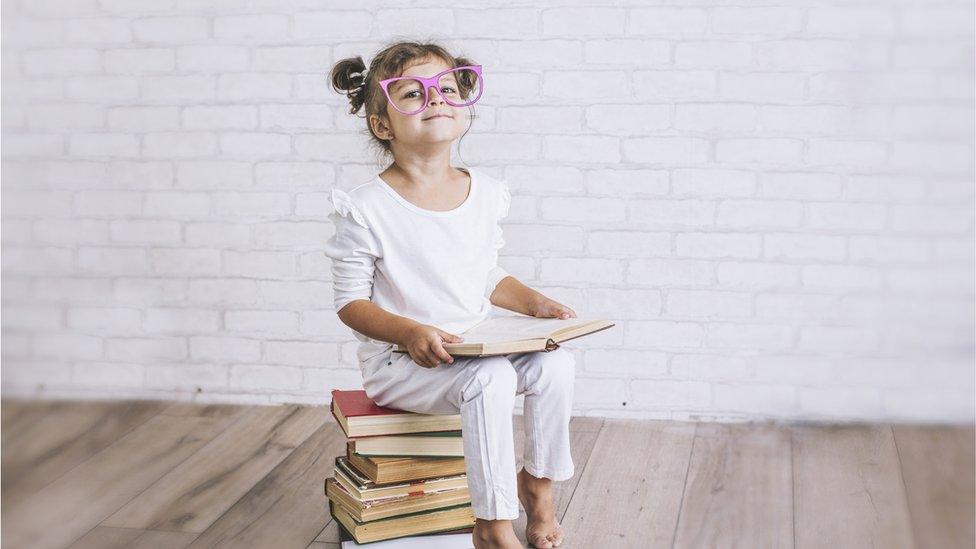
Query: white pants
column 483, row 389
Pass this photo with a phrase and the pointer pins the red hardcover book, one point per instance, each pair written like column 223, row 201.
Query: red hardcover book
column 359, row 416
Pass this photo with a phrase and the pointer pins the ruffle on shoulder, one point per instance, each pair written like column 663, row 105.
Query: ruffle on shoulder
column 345, row 207
column 506, row 200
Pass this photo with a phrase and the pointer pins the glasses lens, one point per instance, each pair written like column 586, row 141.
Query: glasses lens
column 407, row 95
column 459, row 88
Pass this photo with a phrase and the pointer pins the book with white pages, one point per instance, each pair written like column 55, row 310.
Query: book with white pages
column 518, row 333
column 442, row 541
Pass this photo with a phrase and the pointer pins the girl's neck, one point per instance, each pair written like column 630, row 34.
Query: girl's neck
column 421, row 177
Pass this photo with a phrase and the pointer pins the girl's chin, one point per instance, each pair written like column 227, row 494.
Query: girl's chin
column 439, row 129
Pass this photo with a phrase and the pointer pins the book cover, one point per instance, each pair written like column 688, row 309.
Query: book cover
column 453, row 539
column 384, row 470
column 430, row 444
column 520, row 333
column 366, row 490
column 356, row 404
column 446, row 519
column 357, row 416
column 408, row 436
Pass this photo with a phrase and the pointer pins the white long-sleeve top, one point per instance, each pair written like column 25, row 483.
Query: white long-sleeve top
column 435, row 267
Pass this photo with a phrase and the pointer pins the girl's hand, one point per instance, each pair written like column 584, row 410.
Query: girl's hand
column 547, row 308
column 426, row 345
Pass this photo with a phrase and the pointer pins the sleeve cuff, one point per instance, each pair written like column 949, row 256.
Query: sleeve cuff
column 494, row 277
column 344, row 300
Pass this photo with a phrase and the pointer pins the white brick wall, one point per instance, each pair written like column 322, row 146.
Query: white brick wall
column 774, row 203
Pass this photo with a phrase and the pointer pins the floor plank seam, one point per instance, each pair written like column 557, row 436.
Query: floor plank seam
column 901, row 475
column 793, row 483
column 684, row 486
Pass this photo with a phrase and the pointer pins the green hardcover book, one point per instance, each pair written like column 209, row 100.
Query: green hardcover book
column 430, row 444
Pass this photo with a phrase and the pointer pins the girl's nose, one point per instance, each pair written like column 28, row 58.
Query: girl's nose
column 431, row 95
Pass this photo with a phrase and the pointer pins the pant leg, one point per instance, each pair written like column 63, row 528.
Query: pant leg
column 482, row 390
column 547, row 380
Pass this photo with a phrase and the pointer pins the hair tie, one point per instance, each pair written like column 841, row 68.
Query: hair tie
column 357, row 89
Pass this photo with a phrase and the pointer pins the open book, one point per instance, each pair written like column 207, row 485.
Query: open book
column 520, row 334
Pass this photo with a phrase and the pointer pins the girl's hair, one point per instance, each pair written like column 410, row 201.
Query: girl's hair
column 346, row 77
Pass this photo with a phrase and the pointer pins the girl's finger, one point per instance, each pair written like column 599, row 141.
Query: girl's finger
column 432, row 358
column 442, row 354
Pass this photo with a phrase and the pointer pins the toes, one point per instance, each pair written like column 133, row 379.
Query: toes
column 541, row 541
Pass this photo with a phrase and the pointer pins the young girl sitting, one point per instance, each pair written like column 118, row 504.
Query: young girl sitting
column 414, row 262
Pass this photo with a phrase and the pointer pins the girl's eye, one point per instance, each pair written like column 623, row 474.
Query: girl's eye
column 415, row 93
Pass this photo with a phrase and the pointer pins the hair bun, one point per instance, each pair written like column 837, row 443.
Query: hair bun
column 348, row 76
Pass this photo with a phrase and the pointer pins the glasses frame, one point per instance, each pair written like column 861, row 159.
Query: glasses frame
column 427, row 83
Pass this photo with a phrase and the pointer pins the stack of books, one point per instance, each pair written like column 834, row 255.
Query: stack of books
column 402, row 474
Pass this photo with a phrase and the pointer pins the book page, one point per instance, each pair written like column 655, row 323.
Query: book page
column 518, row 328
column 438, row 541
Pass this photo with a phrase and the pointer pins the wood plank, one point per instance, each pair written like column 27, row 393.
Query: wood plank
column 75, row 503
column 847, row 488
column 937, row 463
column 103, row 537
column 631, row 489
column 193, row 409
column 194, row 494
column 739, row 491
column 288, row 507
column 60, row 443
column 14, row 411
column 47, row 426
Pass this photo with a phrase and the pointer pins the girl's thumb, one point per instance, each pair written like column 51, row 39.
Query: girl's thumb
column 451, row 337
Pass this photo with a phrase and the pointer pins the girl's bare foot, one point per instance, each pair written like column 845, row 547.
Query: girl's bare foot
column 494, row 534
column 541, row 528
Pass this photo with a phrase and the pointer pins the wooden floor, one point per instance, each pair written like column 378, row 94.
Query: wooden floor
column 169, row 475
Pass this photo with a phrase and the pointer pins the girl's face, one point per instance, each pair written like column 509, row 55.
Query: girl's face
column 425, row 128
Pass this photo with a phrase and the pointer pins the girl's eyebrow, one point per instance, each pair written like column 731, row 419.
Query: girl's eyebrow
column 430, row 76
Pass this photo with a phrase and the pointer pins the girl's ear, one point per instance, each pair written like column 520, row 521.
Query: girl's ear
column 380, row 127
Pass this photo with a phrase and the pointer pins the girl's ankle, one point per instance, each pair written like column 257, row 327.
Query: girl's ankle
column 491, row 527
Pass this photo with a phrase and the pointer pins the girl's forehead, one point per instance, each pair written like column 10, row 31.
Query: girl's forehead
column 426, row 69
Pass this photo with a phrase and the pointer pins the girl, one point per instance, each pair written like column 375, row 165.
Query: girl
column 414, row 262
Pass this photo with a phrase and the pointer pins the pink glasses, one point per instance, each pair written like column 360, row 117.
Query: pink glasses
column 459, row 87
